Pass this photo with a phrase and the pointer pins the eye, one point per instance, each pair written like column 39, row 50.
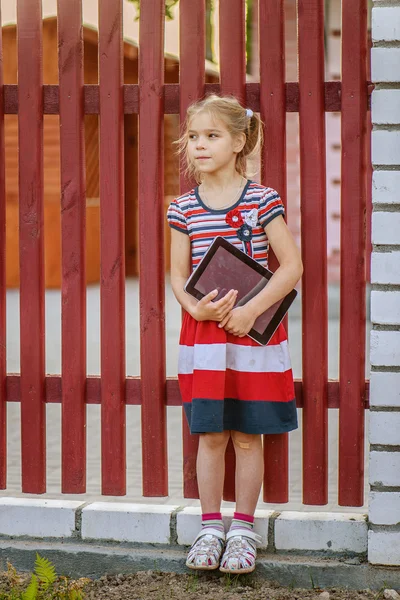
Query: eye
column 192, row 136
column 213, row 135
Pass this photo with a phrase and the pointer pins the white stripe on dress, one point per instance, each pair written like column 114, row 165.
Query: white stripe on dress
column 202, row 357
column 247, row 359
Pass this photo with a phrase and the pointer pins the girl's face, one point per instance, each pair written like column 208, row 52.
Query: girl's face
column 211, row 148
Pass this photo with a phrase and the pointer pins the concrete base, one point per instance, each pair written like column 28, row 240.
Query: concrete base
column 94, row 560
column 91, row 539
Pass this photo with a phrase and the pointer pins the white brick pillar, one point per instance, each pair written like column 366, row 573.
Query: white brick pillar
column 384, row 500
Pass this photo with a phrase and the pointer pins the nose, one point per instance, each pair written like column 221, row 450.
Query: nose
column 200, row 142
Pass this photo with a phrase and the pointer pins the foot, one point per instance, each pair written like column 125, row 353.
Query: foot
column 206, row 551
column 240, row 552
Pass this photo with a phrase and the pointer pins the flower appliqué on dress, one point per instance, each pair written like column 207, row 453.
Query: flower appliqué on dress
column 245, row 233
column 251, row 217
column 234, row 218
column 243, row 227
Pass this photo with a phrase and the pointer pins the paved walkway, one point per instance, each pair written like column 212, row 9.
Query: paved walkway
column 53, row 366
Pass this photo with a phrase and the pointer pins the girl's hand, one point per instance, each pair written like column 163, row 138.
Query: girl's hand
column 206, row 310
column 239, row 321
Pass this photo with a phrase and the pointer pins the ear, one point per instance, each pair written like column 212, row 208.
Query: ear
column 239, row 142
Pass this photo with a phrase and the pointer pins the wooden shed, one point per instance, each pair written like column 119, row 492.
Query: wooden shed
column 52, row 212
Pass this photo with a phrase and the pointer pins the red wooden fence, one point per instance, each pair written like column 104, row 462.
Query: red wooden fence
column 311, row 97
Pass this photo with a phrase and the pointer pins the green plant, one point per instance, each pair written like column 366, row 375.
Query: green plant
column 192, row 582
column 379, row 594
column 312, row 581
column 44, row 584
column 232, row 580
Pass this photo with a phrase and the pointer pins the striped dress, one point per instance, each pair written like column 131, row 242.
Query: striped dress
column 228, row 382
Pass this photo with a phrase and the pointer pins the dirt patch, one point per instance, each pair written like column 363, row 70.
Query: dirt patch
column 151, row 585
column 197, row 586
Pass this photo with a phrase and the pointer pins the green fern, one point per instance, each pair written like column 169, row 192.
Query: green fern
column 44, row 584
column 45, row 571
column 32, row 589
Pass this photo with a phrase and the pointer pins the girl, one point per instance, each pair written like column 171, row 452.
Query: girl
column 230, row 385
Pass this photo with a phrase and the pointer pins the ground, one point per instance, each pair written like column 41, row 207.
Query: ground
column 152, row 585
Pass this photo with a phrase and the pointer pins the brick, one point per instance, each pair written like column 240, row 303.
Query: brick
column 37, row 518
column 385, row 307
column 384, row 469
column 386, row 147
column 188, row 524
column 385, row 64
column 385, row 187
column 330, row 532
column 386, row 24
column 125, row 522
column 384, row 508
column 385, row 348
column 386, row 228
column 384, row 548
column 384, row 389
column 385, row 107
column 384, row 428
column 385, row 267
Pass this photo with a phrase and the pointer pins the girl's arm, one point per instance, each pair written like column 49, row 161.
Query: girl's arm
column 289, row 271
column 204, row 309
column 180, row 268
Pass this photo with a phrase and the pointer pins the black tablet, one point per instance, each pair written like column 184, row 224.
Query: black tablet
column 225, row 267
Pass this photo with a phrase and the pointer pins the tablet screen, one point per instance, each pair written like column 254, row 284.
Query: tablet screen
column 237, row 275
column 225, row 267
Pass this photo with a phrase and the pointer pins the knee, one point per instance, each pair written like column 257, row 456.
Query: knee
column 246, row 441
column 214, row 441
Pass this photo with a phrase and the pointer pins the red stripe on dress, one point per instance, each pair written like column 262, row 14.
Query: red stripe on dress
column 259, row 387
column 209, row 385
column 186, row 387
column 246, row 387
column 208, row 332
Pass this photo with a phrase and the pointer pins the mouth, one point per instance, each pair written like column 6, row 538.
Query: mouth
column 202, row 157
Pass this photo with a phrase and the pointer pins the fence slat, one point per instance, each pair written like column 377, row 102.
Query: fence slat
column 313, row 241
column 151, row 219
column 31, row 240
column 191, row 88
column 232, row 44
column 273, row 114
column 3, row 371
column 112, row 248
column 233, row 81
column 352, row 264
column 73, row 211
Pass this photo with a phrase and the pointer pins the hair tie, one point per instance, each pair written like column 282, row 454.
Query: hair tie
column 249, row 112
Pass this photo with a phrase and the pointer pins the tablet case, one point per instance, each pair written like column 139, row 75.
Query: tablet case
column 225, row 267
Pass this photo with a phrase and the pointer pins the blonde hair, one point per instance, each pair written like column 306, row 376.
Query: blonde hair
column 237, row 121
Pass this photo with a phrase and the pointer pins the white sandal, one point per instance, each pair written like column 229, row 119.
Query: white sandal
column 240, row 552
column 206, row 549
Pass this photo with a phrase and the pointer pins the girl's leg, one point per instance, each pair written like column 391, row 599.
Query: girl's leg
column 207, row 548
column 211, row 469
column 240, row 552
column 249, row 470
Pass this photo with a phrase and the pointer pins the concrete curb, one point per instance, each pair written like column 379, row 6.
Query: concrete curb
column 94, row 560
column 325, row 534
column 90, row 539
